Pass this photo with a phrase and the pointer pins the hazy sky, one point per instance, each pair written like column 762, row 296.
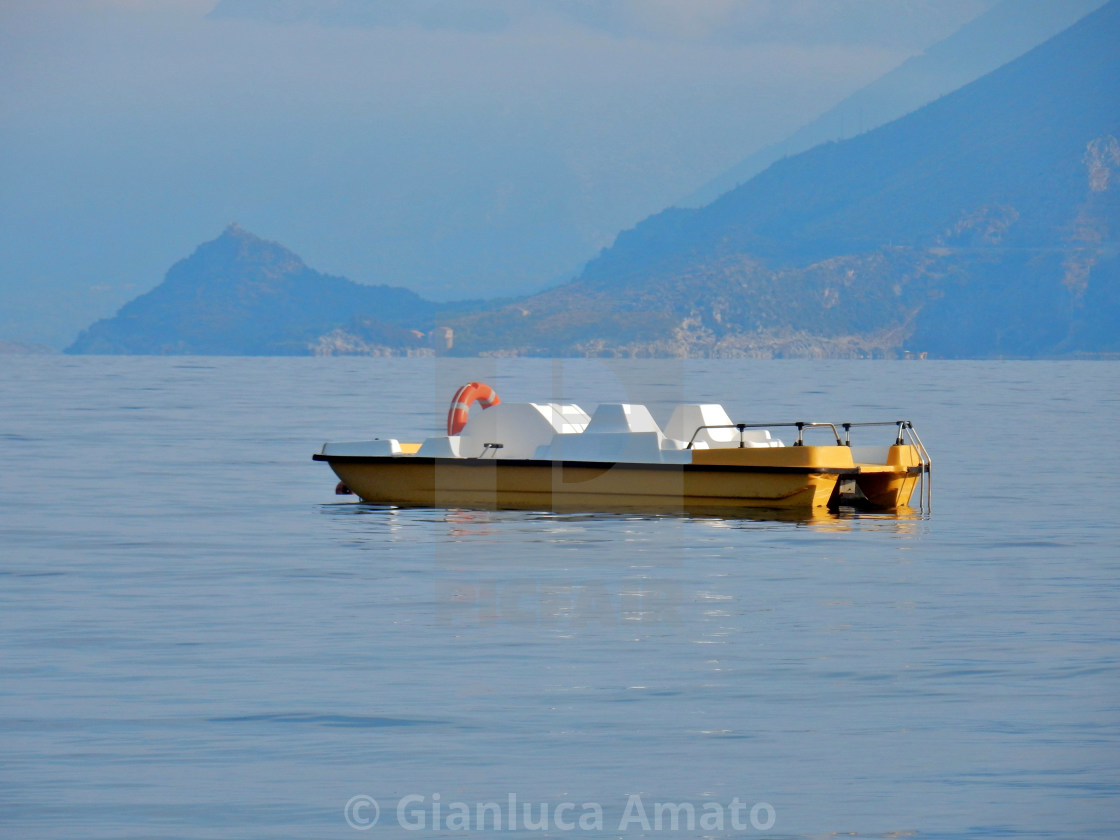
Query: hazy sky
column 458, row 148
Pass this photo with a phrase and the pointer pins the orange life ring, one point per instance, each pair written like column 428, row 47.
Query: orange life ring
column 461, row 403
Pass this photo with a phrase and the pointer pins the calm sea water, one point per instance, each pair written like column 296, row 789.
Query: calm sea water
column 198, row 639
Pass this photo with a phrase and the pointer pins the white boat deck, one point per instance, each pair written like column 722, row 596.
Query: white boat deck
column 616, row 433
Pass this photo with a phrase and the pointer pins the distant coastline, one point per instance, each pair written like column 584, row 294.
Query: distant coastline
column 25, row 348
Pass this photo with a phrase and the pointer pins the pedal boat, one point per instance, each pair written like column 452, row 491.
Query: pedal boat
column 552, row 456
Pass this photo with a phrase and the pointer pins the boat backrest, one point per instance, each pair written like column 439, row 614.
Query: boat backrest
column 519, row 427
column 686, row 419
column 439, row 447
column 621, row 418
column 690, row 419
column 569, row 418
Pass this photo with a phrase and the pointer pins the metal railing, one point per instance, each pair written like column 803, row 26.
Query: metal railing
column 907, row 434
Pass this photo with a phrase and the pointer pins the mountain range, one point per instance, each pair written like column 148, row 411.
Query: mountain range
column 983, row 224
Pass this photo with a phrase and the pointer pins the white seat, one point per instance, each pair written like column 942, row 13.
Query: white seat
column 617, row 433
column 754, row 438
column 686, row 419
column 870, row 454
column 376, row 447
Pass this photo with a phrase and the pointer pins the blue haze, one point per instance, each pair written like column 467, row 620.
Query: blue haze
column 1001, row 34
column 419, row 152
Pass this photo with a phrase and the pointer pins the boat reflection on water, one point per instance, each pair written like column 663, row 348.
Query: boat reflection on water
column 475, row 522
column 903, row 520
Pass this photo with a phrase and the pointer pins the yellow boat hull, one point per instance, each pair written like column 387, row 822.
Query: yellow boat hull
column 804, row 478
